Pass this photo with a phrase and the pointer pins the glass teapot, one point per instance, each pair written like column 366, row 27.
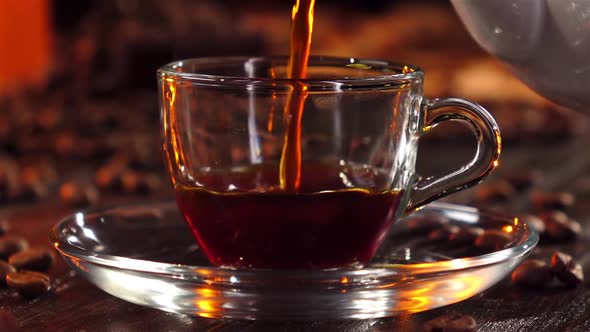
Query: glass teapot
column 545, row 43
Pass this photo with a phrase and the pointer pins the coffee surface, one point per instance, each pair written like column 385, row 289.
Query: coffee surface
column 326, row 224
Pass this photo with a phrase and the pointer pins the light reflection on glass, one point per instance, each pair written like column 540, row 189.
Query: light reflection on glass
column 80, row 219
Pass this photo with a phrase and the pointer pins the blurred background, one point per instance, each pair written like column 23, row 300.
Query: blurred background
column 78, row 106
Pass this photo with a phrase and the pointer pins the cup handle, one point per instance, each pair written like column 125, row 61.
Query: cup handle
column 489, row 145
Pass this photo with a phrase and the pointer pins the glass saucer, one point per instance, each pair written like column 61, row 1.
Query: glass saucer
column 146, row 255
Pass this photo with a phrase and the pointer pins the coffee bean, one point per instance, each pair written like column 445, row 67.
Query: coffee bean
column 34, row 259
column 552, row 201
column 465, row 236
column 492, row 239
column 29, row 145
column 78, row 195
column 142, row 183
column 8, row 322
column 87, row 148
column 560, row 261
column 559, row 227
column 532, row 273
column 4, row 226
column 65, row 144
column 533, row 221
column 443, row 233
column 30, row 174
column 33, row 191
column 522, row 180
column 5, row 269
column 49, row 117
column 10, row 245
column 28, row 283
column 39, row 171
column 572, row 276
column 425, row 223
column 498, row 191
column 70, row 193
column 9, row 179
column 451, row 323
column 108, row 178
column 142, row 163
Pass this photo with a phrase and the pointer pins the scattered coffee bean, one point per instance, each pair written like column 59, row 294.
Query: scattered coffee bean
column 560, row 261
column 566, row 269
column 142, row 183
column 10, row 245
column 497, row 191
column 533, row 221
column 559, row 227
column 552, row 201
column 465, row 236
column 34, row 259
column 78, row 195
column 451, row 323
column 108, row 176
column 142, row 163
column 65, row 144
column 524, row 179
column 8, row 322
column 5, row 269
column 492, row 239
column 4, row 226
column 33, row 191
column 572, row 276
column 29, row 284
column 49, row 117
column 9, row 179
column 443, row 233
column 532, row 273
column 30, row 174
column 425, row 223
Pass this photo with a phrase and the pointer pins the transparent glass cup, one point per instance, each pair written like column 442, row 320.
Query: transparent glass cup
column 262, row 185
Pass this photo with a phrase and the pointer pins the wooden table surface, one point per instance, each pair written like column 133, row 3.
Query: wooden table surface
column 75, row 304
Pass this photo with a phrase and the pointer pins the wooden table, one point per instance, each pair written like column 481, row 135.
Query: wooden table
column 76, row 305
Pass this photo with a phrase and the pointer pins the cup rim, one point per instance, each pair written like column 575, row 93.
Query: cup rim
column 392, row 72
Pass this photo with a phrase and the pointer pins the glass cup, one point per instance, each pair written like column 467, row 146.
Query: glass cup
column 271, row 172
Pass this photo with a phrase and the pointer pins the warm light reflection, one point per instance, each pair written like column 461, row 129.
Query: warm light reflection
column 508, row 229
column 206, row 303
column 77, row 264
column 80, row 219
column 206, row 292
column 407, row 70
column 271, row 114
column 467, row 286
column 171, row 98
column 427, row 294
column 204, row 272
column 170, row 122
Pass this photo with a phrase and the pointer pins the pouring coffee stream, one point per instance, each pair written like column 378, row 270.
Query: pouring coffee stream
column 301, row 31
